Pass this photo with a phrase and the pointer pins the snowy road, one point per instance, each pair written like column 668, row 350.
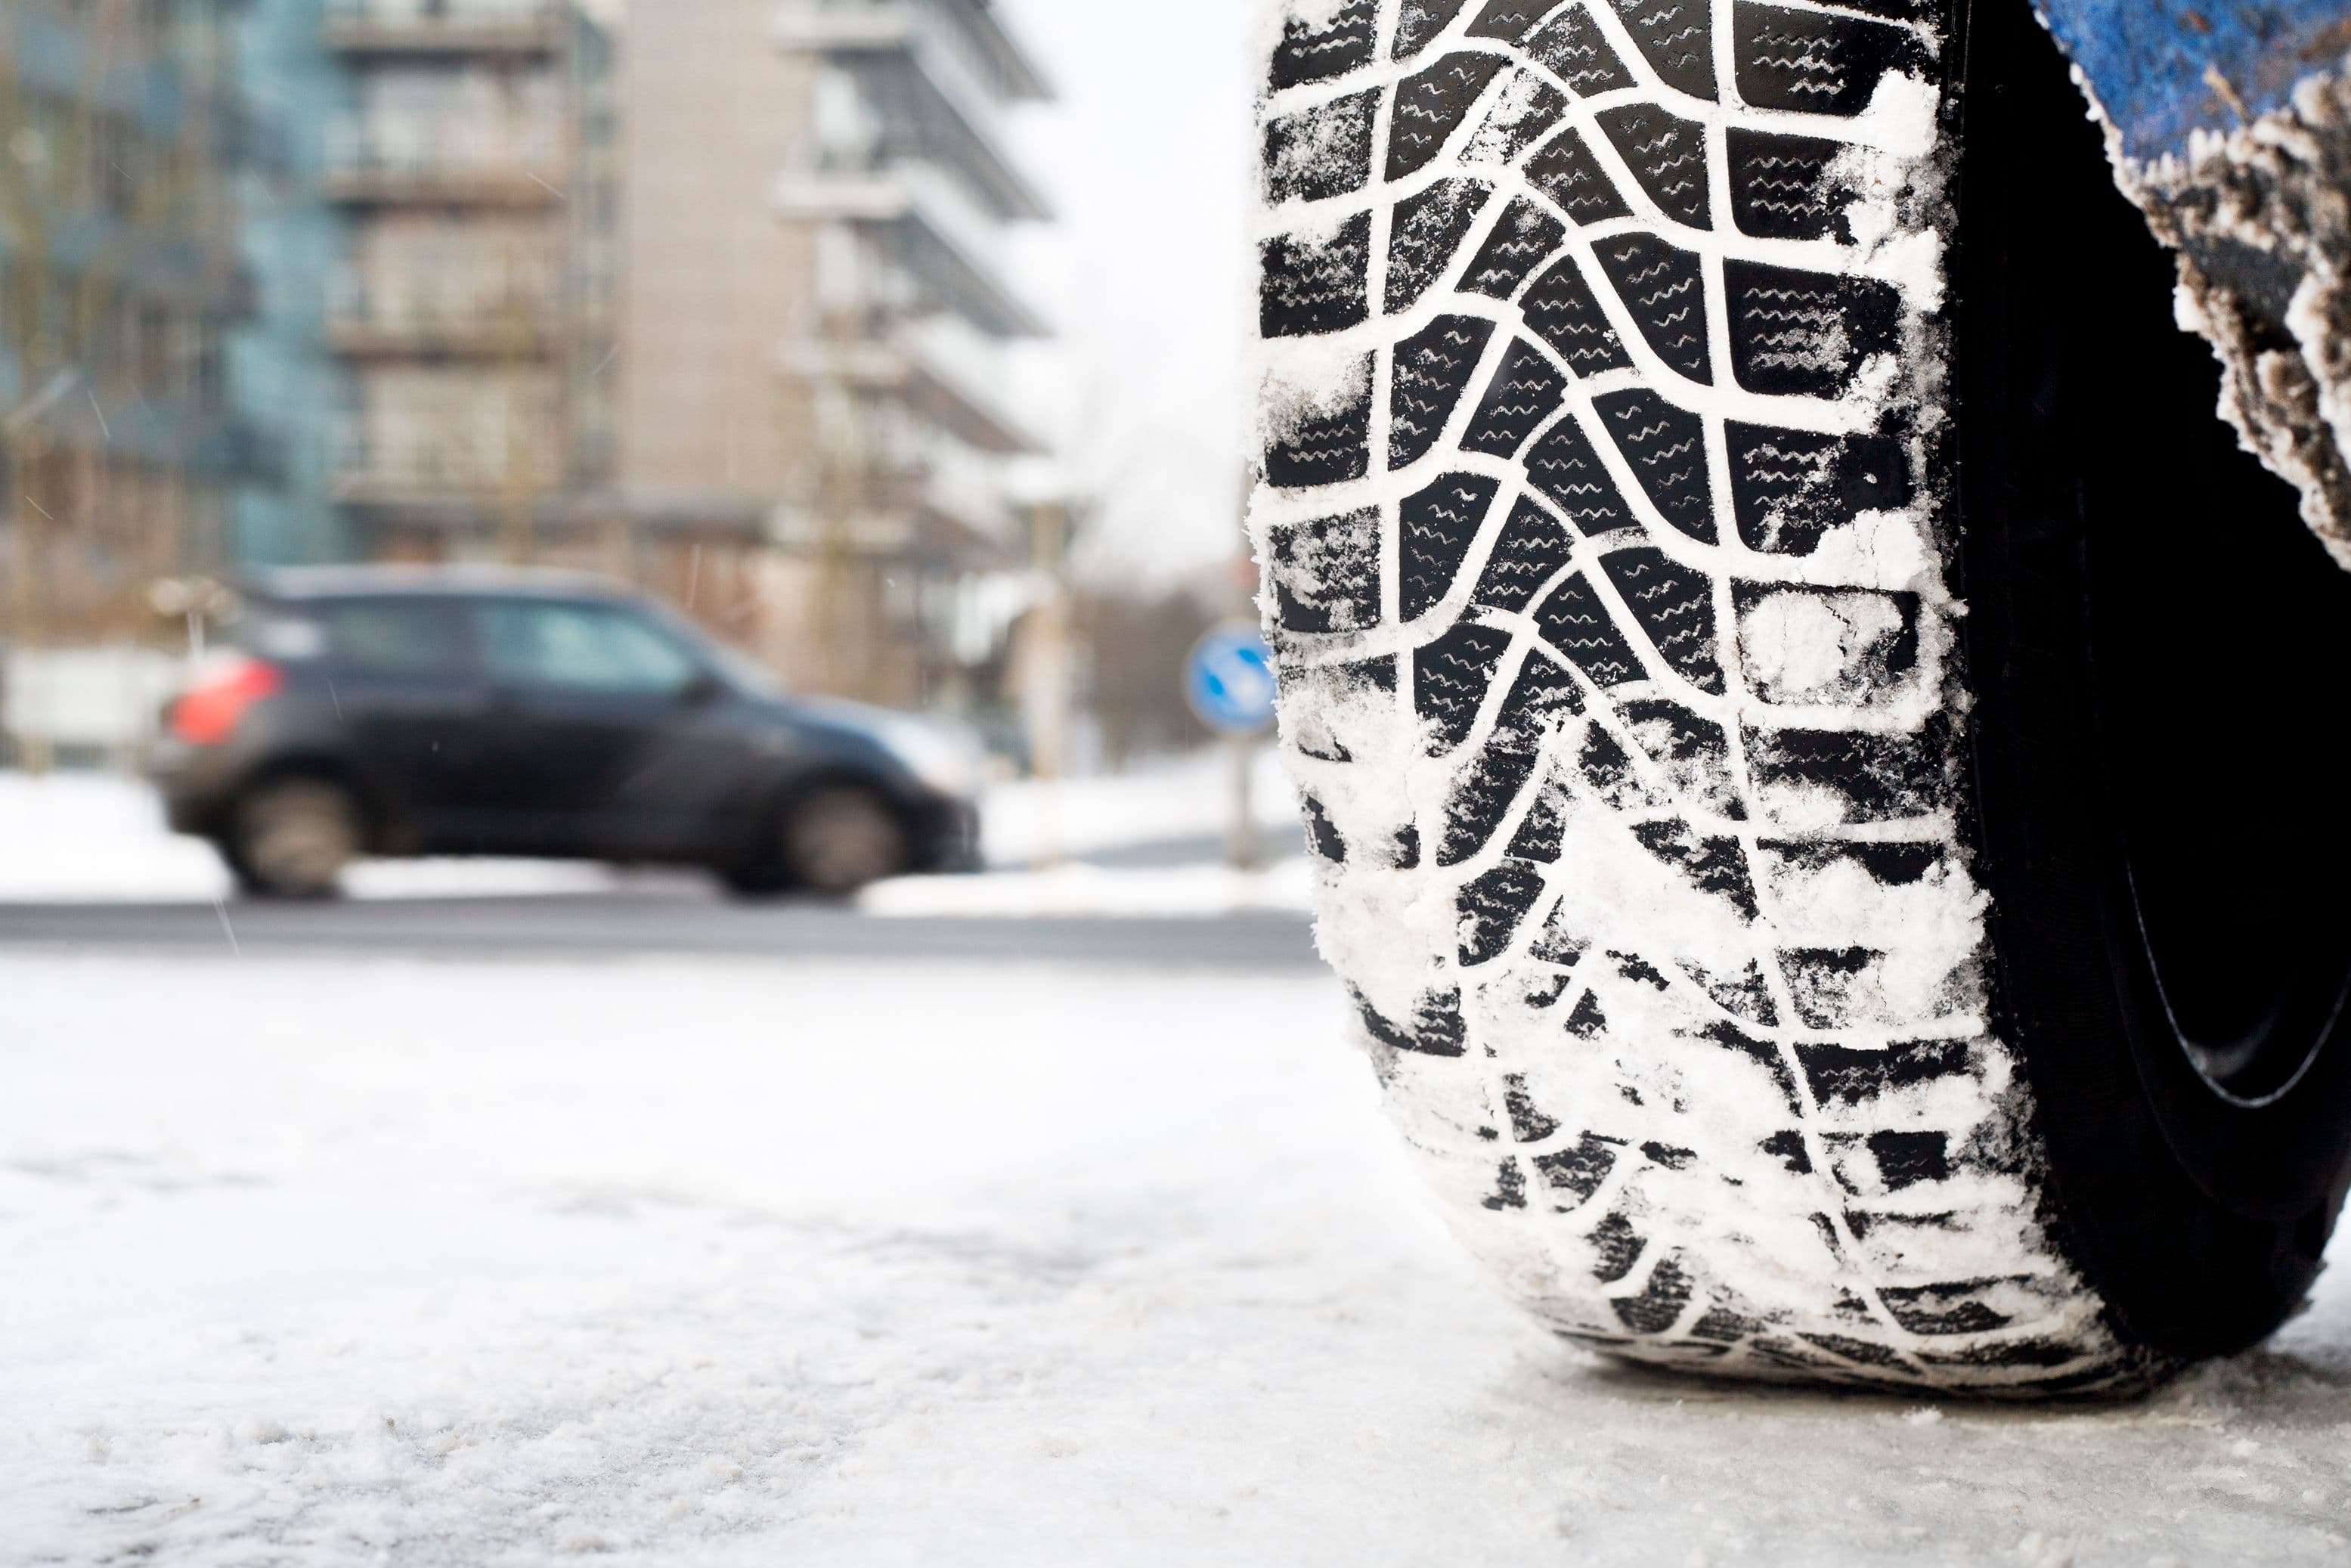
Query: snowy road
column 708, row 1261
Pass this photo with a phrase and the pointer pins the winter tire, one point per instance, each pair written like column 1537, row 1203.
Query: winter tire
column 294, row 838
column 1821, row 920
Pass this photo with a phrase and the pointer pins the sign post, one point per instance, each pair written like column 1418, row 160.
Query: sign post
column 1228, row 680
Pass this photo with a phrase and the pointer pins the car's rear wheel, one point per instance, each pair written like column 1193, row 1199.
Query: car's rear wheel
column 294, row 838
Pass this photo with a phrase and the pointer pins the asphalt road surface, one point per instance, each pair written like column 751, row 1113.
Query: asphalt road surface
column 664, row 919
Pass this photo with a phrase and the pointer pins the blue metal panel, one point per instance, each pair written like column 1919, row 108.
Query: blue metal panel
column 2165, row 69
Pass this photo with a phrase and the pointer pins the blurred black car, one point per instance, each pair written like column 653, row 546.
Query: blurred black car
column 387, row 711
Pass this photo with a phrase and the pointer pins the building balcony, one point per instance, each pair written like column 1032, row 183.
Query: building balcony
column 970, row 29
column 446, row 28
column 920, row 387
column 365, row 327
column 912, row 212
column 368, row 167
column 920, row 115
column 447, row 472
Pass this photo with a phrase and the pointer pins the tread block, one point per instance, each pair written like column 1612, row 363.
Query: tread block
column 1323, row 836
column 1525, row 390
column 1692, row 752
column 1321, row 152
column 1854, row 1075
column 1667, row 155
column 1438, row 526
column 1856, row 1350
column 1767, row 1056
column 1564, row 466
column 1674, row 606
column 1450, row 678
column 1543, row 697
column 1746, row 995
column 1316, row 284
column 1533, row 550
column 1521, row 240
column 1835, row 776
column 1493, row 907
column 1429, row 108
column 1435, row 1028
column 1522, row 113
column 1677, row 37
column 1945, row 1310
column 1433, row 368
column 1781, row 187
column 1509, row 1186
column 1714, row 865
column 1482, row 797
column 1806, row 334
column 1567, row 174
column 1511, row 20
column 1665, row 288
column 1815, row 62
column 2033, row 1353
column 1540, row 836
column 1557, row 946
column 1890, row 864
column 1425, row 234
column 1667, row 447
column 1325, row 447
column 1325, row 574
column 1579, row 1171
column 1572, row 48
column 1419, row 21
column 1789, row 487
column 1527, row 1123
column 1310, row 53
column 1562, row 309
column 1575, row 622
column 1910, row 1159
column 1659, row 1307
column 1788, row 1149
column 1831, row 985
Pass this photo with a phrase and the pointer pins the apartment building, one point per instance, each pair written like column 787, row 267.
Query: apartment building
column 120, row 278
column 816, row 308
column 472, row 307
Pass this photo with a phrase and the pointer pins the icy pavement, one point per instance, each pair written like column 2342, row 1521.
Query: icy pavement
column 314, row 1262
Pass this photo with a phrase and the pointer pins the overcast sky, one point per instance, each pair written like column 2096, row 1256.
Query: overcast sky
column 1147, row 157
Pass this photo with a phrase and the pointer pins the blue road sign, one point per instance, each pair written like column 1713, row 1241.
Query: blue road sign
column 1228, row 679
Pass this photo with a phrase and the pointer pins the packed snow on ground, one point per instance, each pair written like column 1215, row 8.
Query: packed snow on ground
column 74, row 838
column 325, row 1263
column 1078, row 889
column 1184, row 796
column 100, row 838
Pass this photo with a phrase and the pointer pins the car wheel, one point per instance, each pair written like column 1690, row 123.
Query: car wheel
column 294, row 838
column 1819, row 921
column 839, row 839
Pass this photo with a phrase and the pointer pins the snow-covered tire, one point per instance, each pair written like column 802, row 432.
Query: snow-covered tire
column 1694, row 860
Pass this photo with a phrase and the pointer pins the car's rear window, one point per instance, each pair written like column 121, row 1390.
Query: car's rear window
column 399, row 636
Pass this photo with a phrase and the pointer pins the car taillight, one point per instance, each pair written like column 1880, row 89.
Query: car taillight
column 219, row 695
